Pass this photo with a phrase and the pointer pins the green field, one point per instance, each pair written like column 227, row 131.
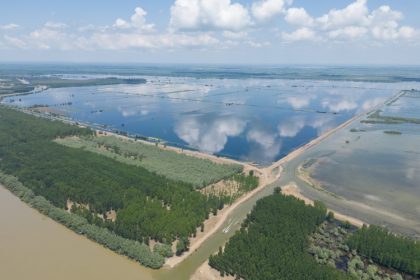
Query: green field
column 173, row 165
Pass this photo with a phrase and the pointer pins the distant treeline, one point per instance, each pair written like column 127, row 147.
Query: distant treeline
column 148, row 206
column 273, row 241
column 15, row 85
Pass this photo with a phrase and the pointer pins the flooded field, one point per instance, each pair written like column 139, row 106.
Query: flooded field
column 371, row 170
column 254, row 120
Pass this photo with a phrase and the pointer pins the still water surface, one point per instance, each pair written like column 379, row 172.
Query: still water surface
column 254, row 120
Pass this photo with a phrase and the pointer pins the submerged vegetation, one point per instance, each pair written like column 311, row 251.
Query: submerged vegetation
column 330, row 245
column 273, row 241
column 377, row 118
column 387, row 249
column 393, row 132
column 173, row 165
column 147, row 205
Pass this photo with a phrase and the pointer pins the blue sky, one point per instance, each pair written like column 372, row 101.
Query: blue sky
column 212, row 31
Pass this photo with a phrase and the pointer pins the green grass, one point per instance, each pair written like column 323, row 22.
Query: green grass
column 179, row 167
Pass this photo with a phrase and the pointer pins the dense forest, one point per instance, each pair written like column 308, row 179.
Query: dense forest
column 387, row 249
column 273, row 242
column 147, row 205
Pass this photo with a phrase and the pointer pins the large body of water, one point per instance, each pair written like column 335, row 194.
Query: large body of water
column 251, row 119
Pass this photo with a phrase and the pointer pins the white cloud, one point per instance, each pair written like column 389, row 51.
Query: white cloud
column 55, row 25
column 258, row 44
column 135, row 33
column 204, row 14
column 299, row 17
column 234, row 35
column 118, row 41
column 407, row 32
column 49, row 37
column 219, row 24
column 122, row 24
column 385, row 16
column 301, row 34
column 186, row 40
column 348, row 32
column 354, row 14
column 14, row 42
column 137, row 21
column 10, row 26
column 385, row 25
column 353, row 22
column 264, row 10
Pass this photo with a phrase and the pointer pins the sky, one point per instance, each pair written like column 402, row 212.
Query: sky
column 355, row 32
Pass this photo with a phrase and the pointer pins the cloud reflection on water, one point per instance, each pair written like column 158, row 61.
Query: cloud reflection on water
column 209, row 134
column 267, row 144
